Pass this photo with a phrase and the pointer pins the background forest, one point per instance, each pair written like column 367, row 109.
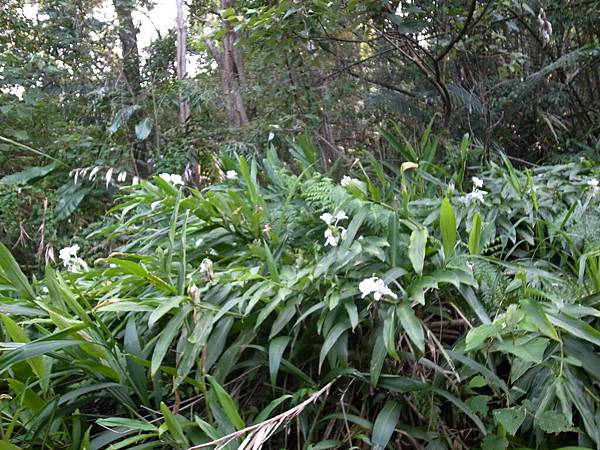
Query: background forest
column 300, row 224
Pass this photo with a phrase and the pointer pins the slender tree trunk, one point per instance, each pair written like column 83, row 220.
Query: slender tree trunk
column 128, row 38
column 184, row 106
column 231, row 67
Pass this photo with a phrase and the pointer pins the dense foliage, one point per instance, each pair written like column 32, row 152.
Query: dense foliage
column 346, row 224
column 401, row 304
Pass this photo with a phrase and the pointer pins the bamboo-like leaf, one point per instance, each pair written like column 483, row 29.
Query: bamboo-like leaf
column 412, row 325
column 166, row 337
column 227, row 403
column 416, row 249
column 385, row 424
column 10, row 270
column 448, row 227
column 475, row 235
column 276, row 348
column 173, row 425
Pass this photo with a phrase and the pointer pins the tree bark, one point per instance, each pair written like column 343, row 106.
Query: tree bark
column 231, row 67
column 128, row 38
column 184, row 106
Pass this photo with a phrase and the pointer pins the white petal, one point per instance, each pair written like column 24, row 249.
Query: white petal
column 109, row 176
column 327, row 218
column 477, row 182
column 341, row 215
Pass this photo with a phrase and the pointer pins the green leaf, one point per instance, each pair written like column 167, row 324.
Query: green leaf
column 353, row 228
column 510, row 418
column 69, row 197
column 448, row 227
column 332, row 337
column 477, row 336
column 164, row 341
column 122, row 422
column 553, row 422
column 10, row 270
column 463, row 407
column 377, row 356
column 532, row 350
column 475, row 235
column 416, row 249
column 535, row 314
column 18, row 335
column 493, row 442
column 276, row 348
column 8, row 446
column 121, row 117
column 33, row 349
column 25, row 176
column 576, row 327
column 412, row 325
column 227, row 403
column 479, row 404
column 385, row 424
column 173, row 425
column 143, row 129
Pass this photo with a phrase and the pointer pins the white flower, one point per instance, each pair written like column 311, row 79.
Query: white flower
column 206, row 265
column 475, row 195
column 176, row 180
column 68, row 255
column 231, row 175
column 108, row 176
column 451, row 187
column 135, row 181
column 271, row 136
column 173, row 178
column 342, row 232
column 212, row 251
column 375, row 286
column 340, row 215
column 593, row 182
column 327, row 218
column 477, row 182
column 94, row 172
column 199, row 242
column 330, row 239
column 122, row 176
column 347, row 181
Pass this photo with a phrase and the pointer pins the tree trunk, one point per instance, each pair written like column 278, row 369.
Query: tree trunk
column 231, row 67
column 128, row 38
column 184, row 106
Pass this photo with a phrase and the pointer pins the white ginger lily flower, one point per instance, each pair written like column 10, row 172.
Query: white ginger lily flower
column 340, row 215
column 330, row 239
column 475, row 195
column 375, row 286
column 68, row 253
column 347, row 181
column 327, row 218
column 173, row 178
column 477, row 182
column 231, row 175
column 72, row 263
